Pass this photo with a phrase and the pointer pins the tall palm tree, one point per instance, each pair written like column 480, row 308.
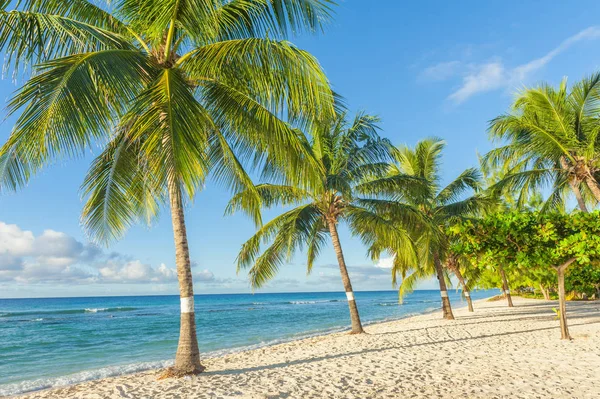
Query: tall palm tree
column 345, row 153
column 171, row 90
column 553, row 140
column 437, row 207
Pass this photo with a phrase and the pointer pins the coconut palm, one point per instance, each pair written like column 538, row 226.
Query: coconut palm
column 437, row 207
column 346, row 153
column 170, row 90
column 464, row 272
column 552, row 140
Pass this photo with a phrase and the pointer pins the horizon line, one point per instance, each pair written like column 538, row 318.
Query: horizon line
column 233, row 293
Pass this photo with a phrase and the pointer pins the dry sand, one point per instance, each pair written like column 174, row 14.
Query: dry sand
column 496, row 352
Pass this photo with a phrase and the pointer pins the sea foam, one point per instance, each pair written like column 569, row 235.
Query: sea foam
column 105, row 372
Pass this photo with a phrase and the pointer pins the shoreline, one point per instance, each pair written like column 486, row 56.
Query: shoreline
column 121, row 370
column 285, row 355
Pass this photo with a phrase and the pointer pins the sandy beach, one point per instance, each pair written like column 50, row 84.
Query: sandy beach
column 496, row 352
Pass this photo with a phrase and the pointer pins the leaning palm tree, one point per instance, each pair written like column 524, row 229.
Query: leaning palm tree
column 345, row 153
column 464, row 272
column 171, row 90
column 437, row 207
column 552, row 141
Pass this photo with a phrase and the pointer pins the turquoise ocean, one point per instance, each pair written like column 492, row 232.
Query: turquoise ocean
column 53, row 342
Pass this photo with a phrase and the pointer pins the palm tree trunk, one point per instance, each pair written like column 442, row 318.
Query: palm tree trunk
column 574, row 187
column 446, row 308
column 545, row 292
column 506, row 288
column 562, row 301
column 465, row 290
column 187, row 359
column 578, row 196
column 594, row 188
column 354, row 316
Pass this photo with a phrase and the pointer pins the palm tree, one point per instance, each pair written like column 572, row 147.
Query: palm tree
column 552, row 137
column 460, row 266
column 437, row 207
column 171, row 90
column 345, row 153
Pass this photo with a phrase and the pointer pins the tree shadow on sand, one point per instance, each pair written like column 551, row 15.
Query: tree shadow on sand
column 388, row 348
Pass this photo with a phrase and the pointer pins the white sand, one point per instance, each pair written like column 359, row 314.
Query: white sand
column 496, row 352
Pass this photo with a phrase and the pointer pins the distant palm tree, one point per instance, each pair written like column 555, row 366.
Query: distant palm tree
column 171, row 90
column 460, row 266
column 436, row 207
column 553, row 141
column 346, row 153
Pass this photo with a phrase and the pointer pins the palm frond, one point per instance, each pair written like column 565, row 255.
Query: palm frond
column 175, row 130
column 469, row 179
column 30, row 38
column 287, row 81
column 288, row 232
column 120, row 191
column 264, row 196
column 61, row 113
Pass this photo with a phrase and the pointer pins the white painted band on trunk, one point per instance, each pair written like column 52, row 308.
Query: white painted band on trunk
column 467, row 295
column 507, row 292
column 444, row 294
column 187, row 305
column 350, row 296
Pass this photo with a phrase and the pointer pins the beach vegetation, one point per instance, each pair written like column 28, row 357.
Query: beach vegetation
column 525, row 242
column 345, row 152
column 550, row 141
column 435, row 207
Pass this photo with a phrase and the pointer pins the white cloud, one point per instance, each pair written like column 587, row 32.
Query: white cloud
column 487, row 77
column 136, row 272
column 385, row 263
column 362, row 276
column 494, row 75
column 56, row 257
column 14, row 241
column 204, row 275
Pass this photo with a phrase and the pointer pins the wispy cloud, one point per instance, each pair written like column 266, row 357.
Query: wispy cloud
column 494, row 75
column 487, row 77
column 441, row 71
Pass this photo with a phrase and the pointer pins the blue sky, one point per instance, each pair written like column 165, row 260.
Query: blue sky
column 427, row 68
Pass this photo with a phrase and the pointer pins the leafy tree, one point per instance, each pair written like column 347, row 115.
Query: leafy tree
column 346, row 153
column 507, row 201
column 584, row 279
column 171, row 90
column 530, row 241
column 434, row 207
column 552, row 137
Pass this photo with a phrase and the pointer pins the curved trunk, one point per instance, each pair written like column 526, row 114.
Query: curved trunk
column 562, row 302
column 354, row 317
column 505, row 288
column 465, row 290
column 545, row 292
column 577, row 192
column 594, row 188
column 187, row 359
column 446, row 308
column 575, row 188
